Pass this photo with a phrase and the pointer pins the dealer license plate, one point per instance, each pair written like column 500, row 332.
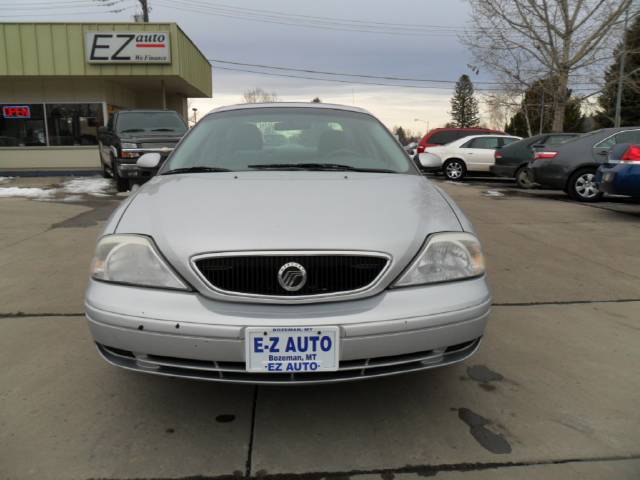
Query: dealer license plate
column 292, row 349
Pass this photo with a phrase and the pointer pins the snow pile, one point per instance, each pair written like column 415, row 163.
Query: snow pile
column 97, row 187
column 5, row 179
column 493, row 193
column 34, row 193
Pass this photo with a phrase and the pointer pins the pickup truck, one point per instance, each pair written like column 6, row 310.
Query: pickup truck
column 132, row 133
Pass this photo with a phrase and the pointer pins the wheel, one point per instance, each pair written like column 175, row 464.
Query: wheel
column 122, row 184
column 454, row 169
column 522, row 178
column 581, row 186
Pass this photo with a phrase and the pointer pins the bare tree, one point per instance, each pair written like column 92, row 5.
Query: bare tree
column 501, row 106
column 523, row 41
column 258, row 95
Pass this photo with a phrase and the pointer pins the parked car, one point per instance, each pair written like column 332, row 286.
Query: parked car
column 621, row 174
column 131, row 133
column 411, row 149
column 469, row 154
column 242, row 262
column 572, row 166
column 512, row 160
column 442, row 136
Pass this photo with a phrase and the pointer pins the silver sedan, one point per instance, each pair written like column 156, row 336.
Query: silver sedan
column 287, row 243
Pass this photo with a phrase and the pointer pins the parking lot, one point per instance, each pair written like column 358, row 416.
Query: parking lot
column 553, row 392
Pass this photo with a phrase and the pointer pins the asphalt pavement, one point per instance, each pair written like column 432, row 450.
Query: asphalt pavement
column 552, row 393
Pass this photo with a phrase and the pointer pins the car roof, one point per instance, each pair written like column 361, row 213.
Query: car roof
column 485, row 135
column 324, row 106
column 463, row 129
column 145, row 110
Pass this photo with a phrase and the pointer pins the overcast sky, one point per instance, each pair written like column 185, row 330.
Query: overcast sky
column 432, row 52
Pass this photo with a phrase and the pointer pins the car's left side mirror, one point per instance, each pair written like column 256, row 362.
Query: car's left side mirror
column 149, row 160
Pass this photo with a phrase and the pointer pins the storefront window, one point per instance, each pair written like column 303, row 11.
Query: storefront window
column 22, row 125
column 73, row 123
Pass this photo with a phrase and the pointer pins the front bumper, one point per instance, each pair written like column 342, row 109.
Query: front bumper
column 183, row 334
column 548, row 174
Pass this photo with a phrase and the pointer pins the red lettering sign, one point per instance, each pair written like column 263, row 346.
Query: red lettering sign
column 16, row 111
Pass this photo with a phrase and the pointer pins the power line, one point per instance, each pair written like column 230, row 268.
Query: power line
column 315, row 18
column 353, row 82
column 322, row 18
column 357, row 75
column 336, row 80
column 182, row 5
column 64, row 6
column 67, row 13
column 54, row 3
column 403, row 79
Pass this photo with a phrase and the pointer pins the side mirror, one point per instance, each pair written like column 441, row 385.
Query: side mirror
column 149, row 160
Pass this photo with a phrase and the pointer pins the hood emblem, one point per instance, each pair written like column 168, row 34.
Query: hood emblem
column 292, row 277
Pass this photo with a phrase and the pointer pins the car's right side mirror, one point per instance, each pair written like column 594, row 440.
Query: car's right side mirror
column 149, row 160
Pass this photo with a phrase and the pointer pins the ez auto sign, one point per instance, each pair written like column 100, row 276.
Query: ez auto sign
column 127, row 47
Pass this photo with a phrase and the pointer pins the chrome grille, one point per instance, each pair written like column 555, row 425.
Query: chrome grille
column 257, row 274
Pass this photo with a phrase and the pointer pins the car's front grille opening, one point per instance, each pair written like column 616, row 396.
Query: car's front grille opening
column 235, row 371
column 259, row 274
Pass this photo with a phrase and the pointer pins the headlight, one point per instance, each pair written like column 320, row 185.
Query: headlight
column 133, row 260
column 445, row 257
column 125, row 146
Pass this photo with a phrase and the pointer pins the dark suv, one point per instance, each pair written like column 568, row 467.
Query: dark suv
column 131, row 133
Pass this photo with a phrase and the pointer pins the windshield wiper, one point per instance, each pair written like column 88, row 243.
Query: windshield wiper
column 195, row 170
column 130, row 130
column 318, row 166
column 163, row 129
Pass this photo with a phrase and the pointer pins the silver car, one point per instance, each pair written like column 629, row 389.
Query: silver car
column 319, row 256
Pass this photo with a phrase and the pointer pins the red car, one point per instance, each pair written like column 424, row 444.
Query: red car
column 442, row 136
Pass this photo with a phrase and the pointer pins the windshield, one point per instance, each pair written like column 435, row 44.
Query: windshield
column 151, row 122
column 289, row 138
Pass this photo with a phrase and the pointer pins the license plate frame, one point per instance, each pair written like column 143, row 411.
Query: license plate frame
column 301, row 354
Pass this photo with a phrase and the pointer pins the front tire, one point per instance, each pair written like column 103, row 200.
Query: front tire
column 581, row 186
column 454, row 170
column 122, row 184
column 522, row 178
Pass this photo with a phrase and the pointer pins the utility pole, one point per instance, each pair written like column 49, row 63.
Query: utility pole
column 542, row 108
column 145, row 10
column 623, row 59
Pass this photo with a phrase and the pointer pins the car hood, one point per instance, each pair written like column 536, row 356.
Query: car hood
column 191, row 214
column 148, row 137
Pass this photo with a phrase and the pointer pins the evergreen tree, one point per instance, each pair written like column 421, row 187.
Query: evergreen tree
column 316, row 100
column 401, row 134
column 630, row 111
column 538, row 100
column 464, row 106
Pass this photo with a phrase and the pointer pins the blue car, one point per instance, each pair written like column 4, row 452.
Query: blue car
column 621, row 174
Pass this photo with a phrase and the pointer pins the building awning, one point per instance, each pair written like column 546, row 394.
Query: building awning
column 46, row 50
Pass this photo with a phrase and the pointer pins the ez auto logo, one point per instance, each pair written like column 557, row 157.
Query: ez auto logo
column 128, row 47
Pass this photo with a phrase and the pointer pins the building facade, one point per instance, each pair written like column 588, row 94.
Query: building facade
column 59, row 82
